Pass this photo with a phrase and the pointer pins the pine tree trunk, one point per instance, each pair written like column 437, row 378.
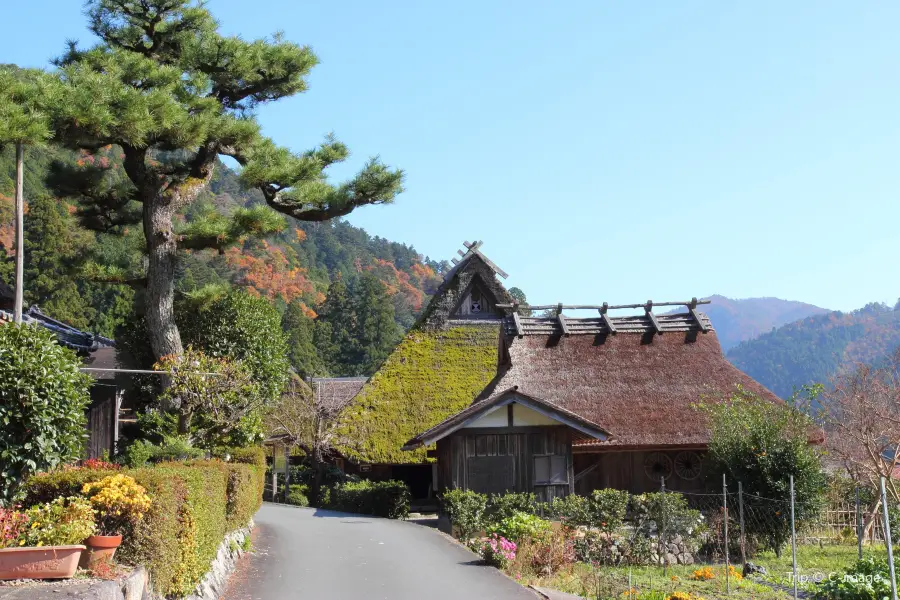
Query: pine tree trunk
column 20, row 233
column 162, row 255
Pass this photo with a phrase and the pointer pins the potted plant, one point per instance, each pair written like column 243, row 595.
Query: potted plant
column 44, row 542
column 119, row 501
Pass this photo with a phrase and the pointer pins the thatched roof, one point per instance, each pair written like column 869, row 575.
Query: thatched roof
column 640, row 386
column 441, row 364
column 339, row 389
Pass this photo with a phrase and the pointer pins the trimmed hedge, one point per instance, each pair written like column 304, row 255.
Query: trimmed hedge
column 193, row 506
column 388, row 499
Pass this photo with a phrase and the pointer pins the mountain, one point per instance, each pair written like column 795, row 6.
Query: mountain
column 738, row 320
column 814, row 348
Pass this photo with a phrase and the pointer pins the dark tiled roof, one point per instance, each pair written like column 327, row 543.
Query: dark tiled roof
column 68, row 336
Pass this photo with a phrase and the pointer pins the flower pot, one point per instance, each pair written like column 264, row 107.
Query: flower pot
column 100, row 548
column 48, row 562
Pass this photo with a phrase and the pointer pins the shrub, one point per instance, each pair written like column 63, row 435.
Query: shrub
column 242, row 327
column 43, row 396
column 520, row 526
column 867, row 579
column 761, row 444
column 118, row 501
column 656, row 511
column 192, row 506
column 12, row 525
column 603, row 509
column 388, row 499
column 143, row 452
column 63, row 522
column 503, row 506
column 498, row 551
column 466, row 511
column 298, row 495
column 607, row 509
column 546, row 554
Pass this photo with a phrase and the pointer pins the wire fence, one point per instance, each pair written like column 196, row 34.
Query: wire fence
column 739, row 526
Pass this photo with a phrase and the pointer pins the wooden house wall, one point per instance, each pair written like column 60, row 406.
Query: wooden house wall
column 102, row 421
column 625, row 471
column 502, row 459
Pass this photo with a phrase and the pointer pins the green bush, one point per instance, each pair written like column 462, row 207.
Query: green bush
column 521, row 526
column 867, row 579
column 658, row 511
column 379, row 498
column 193, row 506
column 465, row 509
column 298, row 495
column 603, row 510
column 243, row 327
column 43, row 396
column 503, row 506
column 142, row 452
column 762, row 444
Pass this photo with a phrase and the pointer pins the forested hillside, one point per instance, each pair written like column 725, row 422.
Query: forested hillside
column 93, row 280
column 739, row 320
column 814, row 348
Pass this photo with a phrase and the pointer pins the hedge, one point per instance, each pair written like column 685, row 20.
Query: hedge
column 194, row 505
column 379, row 498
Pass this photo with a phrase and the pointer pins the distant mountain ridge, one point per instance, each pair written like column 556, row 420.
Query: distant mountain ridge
column 813, row 349
column 738, row 320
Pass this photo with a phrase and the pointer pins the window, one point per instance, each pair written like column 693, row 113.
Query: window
column 550, row 470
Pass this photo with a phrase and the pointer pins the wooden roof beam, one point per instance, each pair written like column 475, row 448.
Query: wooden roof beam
column 599, row 306
column 562, row 323
column 648, row 309
column 604, row 316
column 520, row 331
column 692, row 307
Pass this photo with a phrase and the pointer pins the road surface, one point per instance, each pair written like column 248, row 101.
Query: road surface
column 313, row 554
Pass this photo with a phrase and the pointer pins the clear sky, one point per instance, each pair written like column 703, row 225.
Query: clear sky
column 604, row 151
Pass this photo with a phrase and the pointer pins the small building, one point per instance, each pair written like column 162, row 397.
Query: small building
column 589, row 403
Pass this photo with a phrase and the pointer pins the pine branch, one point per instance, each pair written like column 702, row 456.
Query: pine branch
column 217, row 231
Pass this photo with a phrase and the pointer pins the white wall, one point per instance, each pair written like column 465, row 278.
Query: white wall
column 496, row 417
column 522, row 417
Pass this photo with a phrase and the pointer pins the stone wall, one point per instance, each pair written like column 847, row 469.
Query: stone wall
column 230, row 550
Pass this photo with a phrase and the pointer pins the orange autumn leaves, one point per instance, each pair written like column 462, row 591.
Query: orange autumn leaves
column 272, row 275
column 271, row 270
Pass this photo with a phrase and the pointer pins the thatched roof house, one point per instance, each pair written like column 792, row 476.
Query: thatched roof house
column 622, row 391
column 547, row 404
column 444, row 361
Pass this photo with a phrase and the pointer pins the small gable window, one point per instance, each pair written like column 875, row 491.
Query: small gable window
column 550, row 470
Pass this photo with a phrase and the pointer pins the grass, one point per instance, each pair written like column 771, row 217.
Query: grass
column 613, row 582
column 813, row 562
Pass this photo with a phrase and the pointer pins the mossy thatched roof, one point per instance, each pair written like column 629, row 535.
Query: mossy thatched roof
column 431, row 375
column 441, row 365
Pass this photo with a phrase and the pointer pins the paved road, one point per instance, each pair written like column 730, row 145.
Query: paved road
column 312, row 554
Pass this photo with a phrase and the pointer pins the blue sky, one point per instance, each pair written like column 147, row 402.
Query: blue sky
column 603, row 151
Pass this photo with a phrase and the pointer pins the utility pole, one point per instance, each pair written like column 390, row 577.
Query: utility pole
column 20, row 231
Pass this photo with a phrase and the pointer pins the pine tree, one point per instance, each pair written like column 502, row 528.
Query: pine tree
column 376, row 331
column 174, row 94
column 302, row 338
